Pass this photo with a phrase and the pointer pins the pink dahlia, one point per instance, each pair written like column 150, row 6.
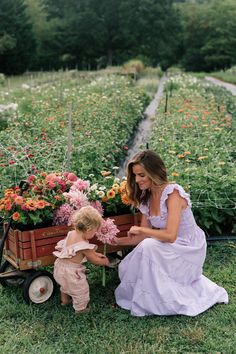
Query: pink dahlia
column 63, row 215
column 107, row 231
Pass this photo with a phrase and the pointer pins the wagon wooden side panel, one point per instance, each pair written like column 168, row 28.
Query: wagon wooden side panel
column 33, row 248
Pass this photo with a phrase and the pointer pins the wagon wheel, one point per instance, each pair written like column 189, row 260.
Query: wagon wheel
column 38, row 287
column 16, row 281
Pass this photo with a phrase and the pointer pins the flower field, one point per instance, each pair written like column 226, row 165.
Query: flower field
column 193, row 132
column 80, row 124
column 83, row 124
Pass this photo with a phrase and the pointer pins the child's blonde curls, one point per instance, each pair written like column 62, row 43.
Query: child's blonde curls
column 86, row 218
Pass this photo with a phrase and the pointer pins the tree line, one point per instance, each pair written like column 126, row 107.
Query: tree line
column 198, row 35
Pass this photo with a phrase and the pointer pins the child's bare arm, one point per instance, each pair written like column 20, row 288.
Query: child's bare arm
column 96, row 258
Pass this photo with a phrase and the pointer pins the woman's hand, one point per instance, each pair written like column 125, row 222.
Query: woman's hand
column 116, row 241
column 135, row 231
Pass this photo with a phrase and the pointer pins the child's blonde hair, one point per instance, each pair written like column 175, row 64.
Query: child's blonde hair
column 86, row 218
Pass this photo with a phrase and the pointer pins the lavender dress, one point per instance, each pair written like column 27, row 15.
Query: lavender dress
column 160, row 278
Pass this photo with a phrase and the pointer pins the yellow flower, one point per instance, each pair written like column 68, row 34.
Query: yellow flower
column 175, row 174
column 221, row 163
column 116, row 187
column 111, row 194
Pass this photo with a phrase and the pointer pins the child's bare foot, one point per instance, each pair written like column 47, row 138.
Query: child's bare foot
column 65, row 299
column 66, row 303
column 87, row 309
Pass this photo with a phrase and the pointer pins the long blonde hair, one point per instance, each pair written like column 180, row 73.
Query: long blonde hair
column 86, row 218
column 155, row 170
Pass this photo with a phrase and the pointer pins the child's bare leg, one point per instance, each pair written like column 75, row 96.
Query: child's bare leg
column 87, row 309
column 65, row 299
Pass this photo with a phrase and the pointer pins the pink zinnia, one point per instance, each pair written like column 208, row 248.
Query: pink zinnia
column 80, row 185
column 72, row 177
column 31, row 178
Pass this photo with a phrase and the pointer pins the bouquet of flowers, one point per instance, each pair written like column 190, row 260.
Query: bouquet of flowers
column 37, row 204
column 51, row 199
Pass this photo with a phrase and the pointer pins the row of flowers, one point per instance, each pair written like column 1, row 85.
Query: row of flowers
column 65, row 126
column 195, row 137
column 51, row 199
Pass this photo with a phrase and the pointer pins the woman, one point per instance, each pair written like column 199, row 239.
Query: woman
column 163, row 274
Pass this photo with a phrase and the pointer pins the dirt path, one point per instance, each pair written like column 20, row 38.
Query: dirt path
column 144, row 128
column 230, row 87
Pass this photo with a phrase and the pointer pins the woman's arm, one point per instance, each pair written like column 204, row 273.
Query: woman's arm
column 96, row 258
column 130, row 240
column 175, row 204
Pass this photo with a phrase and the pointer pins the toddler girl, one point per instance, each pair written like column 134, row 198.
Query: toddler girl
column 72, row 252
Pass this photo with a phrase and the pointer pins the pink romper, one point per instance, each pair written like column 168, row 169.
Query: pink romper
column 71, row 276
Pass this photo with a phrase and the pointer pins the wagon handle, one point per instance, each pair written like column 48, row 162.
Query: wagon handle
column 23, row 185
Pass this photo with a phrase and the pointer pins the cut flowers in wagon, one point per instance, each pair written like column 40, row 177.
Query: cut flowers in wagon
column 51, row 199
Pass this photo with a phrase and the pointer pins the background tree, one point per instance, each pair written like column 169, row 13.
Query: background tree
column 16, row 37
column 209, row 35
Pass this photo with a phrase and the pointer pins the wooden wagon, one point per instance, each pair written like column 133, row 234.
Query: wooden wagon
column 25, row 252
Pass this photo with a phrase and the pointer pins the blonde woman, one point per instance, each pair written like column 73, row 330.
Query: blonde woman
column 163, row 274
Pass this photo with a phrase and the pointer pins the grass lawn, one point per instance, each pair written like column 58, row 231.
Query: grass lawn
column 49, row 328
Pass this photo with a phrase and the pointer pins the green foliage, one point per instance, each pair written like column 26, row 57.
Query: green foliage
column 16, row 37
column 209, row 35
column 228, row 75
column 2, row 79
column 134, row 66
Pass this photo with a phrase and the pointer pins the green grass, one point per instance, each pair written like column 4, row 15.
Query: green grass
column 225, row 77
column 49, row 328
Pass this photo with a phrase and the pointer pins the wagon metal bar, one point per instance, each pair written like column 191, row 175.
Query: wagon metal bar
column 4, row 237
column 12, row 274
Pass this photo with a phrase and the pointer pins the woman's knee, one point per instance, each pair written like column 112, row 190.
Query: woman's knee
column 148, row 243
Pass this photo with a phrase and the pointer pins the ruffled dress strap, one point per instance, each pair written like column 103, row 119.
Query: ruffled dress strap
column 167, row 191
column 64, row 251
column 144, row 208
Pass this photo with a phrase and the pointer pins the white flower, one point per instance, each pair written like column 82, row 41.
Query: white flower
column 100, row 194
column 94, row 187
column 102, row 188
column 116, row 180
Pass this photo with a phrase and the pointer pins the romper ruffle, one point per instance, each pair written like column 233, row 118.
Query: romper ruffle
column 63, row 251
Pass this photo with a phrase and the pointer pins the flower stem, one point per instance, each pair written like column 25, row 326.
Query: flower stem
column 104, row 268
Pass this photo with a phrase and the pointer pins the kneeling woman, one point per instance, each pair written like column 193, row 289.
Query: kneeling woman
column 163, row 274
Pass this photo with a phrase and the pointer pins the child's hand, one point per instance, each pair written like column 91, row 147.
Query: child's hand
column 100, row 255
column 103, row 259
column 106, row 261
